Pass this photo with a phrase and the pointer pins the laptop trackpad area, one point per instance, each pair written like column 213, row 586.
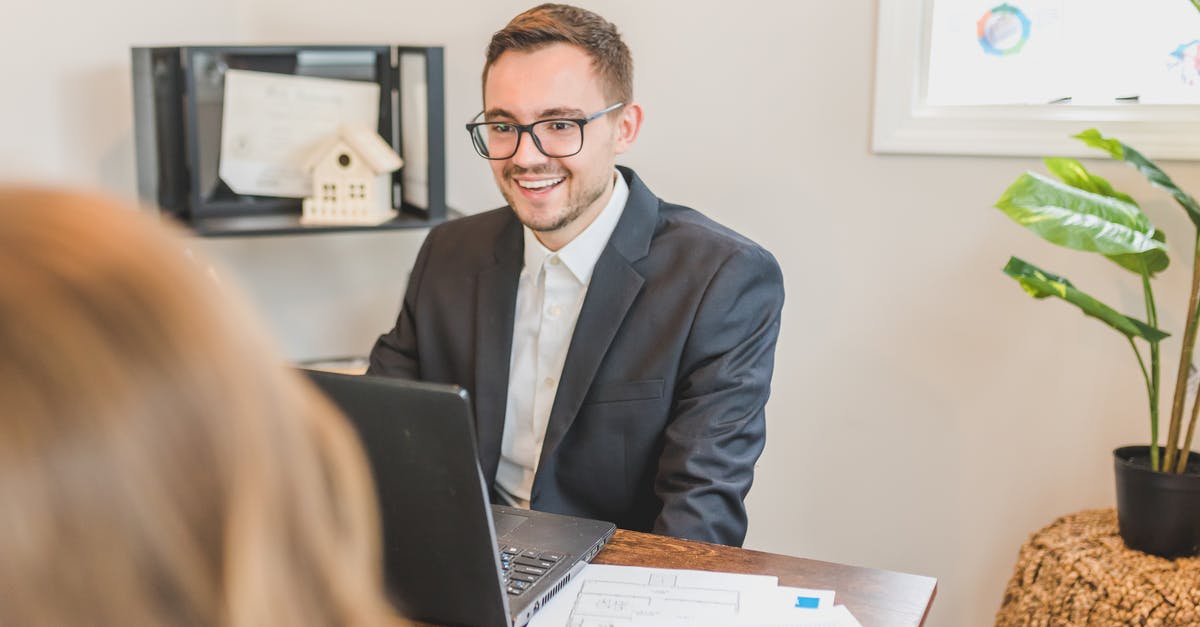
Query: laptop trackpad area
column 506, row 523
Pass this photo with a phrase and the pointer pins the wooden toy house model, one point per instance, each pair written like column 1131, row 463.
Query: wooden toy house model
column 345, row 174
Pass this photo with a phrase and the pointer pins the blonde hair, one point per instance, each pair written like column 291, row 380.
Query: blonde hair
column 159, row 463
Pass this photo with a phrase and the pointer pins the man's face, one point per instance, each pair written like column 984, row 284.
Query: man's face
column 557, row 197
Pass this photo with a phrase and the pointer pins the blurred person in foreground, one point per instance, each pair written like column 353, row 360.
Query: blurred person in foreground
column 159, row 462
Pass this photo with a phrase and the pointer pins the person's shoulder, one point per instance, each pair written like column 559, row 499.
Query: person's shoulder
column 479, row 226
column 680, row 226
column 689, row 239
column 476, row 232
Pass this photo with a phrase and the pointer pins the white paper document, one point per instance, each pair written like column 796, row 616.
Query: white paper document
column 783, row 601
column 272, row 123
column 605, row 596
column 414, row 119
column 836, row 616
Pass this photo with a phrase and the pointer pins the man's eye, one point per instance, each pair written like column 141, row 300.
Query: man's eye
column 502, row 128
column 560, row 126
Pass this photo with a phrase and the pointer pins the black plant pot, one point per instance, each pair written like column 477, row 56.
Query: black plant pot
column 1158, row 513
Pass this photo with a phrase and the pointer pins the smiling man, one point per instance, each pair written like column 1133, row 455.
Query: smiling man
column 618, row 348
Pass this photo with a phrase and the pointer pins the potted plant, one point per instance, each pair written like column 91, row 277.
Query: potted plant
column 1158, row 487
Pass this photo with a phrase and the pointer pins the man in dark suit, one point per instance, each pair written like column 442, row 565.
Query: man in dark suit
column 618, row 348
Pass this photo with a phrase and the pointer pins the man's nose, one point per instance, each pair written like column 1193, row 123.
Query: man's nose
column 528, row 155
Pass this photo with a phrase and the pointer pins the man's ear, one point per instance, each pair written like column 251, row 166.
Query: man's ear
column 629, row 122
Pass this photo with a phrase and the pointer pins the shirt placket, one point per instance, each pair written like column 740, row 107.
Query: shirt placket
column 550, row 345
column 526, row 451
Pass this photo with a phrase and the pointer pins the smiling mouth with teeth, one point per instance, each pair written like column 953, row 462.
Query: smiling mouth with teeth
column 539, row 184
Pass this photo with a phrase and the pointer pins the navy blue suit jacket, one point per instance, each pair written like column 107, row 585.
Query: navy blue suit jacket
column 658, row 418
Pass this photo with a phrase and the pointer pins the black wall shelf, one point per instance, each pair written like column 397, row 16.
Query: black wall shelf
column 178, row 88
column 289, row 224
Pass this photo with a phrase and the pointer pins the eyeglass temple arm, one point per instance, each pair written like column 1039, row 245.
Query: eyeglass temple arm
column 604, row 111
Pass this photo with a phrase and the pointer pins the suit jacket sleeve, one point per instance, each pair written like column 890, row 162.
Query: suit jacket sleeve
column 717, row 428
column 395, row 353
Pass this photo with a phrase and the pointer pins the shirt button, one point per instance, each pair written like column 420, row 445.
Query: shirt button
column 549, row 381
column 554, row 261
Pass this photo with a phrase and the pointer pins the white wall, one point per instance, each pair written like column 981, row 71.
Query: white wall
column 927, row 416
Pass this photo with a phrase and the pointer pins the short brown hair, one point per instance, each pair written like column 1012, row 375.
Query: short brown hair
column 159, row 463
column 561, row 23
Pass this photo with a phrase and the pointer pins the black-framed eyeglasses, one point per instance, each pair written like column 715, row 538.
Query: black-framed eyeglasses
column 556, row 138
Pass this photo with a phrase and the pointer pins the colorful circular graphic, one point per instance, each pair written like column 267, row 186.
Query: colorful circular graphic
column 1186, row 61
column 1003, row 30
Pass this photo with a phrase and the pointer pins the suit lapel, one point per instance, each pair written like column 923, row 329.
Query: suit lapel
column 614, row 286
column 496, row 299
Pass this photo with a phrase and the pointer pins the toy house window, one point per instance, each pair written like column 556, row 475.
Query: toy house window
column 1020, row 77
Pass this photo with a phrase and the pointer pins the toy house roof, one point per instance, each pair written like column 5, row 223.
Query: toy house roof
column 378, row 155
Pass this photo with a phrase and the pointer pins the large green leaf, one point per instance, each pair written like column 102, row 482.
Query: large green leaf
column 1155, row 260
column 1078, row 219
column 1041, row 284
column 1072, row 172
column 1152, row 172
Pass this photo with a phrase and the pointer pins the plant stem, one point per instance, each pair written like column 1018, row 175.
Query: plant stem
column 1185, row 360
column 1153, row 406
column 1196, row 3
column 1155, row 384
column 1191, row 430
column 1187, row 442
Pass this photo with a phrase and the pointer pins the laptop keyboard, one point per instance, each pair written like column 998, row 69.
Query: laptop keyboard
column 522, row 567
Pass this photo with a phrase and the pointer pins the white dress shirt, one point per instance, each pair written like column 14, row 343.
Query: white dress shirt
column 550, row 294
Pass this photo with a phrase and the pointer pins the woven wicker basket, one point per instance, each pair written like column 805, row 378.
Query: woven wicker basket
column 1077, row 571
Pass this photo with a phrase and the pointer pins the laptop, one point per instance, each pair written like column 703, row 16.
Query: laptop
column 449, row 556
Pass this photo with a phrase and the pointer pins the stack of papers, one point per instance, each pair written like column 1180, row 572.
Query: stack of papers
column 603, row 596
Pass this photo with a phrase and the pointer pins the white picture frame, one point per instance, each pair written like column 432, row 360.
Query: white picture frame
column 904, row 123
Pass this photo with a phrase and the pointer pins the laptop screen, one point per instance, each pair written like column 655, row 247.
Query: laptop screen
column 440, row 554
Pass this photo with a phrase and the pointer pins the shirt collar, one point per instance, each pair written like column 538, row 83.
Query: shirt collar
column 580, row 254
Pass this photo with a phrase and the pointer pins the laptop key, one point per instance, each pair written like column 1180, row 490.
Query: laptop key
column 529, row 570
column 522, row 577
column 514, row 591
column 520, row 585
column 539, row 563
column 552, row 557
column 531, row 553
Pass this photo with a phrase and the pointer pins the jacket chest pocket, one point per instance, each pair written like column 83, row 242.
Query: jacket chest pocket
column 646, row 389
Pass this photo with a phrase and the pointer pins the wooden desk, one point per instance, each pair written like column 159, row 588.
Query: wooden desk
column 877, row 598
